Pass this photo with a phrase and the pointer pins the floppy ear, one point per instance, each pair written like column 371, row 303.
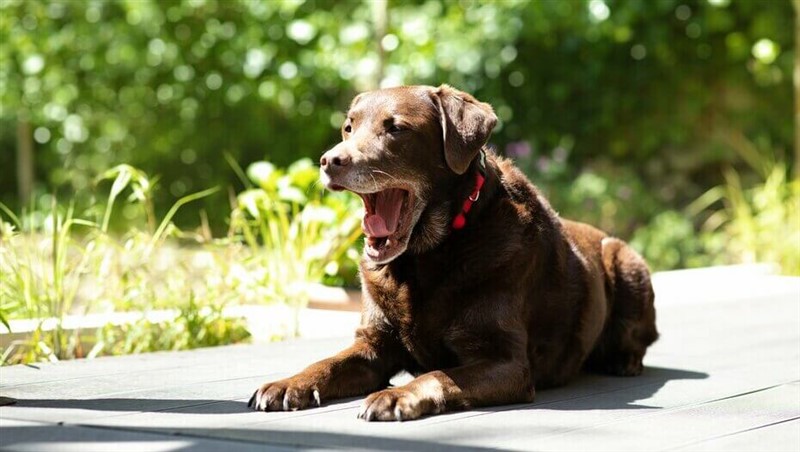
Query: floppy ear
column 355, row 100
column 466, row 125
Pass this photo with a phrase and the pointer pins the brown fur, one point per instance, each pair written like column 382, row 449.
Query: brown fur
column 519, row 299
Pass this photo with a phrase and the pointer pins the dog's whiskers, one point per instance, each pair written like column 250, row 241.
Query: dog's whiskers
column 383, row 172
column 316, row 184
column 374, row 182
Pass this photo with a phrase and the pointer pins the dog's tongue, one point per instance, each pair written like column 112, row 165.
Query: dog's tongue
column 383, row 222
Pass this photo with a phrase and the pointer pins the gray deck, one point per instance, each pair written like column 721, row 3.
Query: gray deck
column 725, row 375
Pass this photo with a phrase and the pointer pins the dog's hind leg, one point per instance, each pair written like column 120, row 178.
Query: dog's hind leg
column 631, row 325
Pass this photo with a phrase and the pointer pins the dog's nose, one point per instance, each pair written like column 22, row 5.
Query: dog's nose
column 334, row 158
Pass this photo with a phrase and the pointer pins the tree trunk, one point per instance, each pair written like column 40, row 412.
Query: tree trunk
column 380, row 18
column 24, row 160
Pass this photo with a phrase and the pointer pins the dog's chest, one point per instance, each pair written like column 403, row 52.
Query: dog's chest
column 409, row 307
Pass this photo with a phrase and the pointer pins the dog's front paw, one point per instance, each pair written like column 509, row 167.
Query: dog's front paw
column 394, row 404
column 285, row 395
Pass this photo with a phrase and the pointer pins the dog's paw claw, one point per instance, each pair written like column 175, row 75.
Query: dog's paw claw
column 285, row 395
column 391, row 405
column 261, row 400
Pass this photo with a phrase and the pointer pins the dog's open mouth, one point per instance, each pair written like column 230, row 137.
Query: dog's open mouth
column 387, row 222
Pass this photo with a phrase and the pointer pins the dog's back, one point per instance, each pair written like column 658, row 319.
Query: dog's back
column 600, row 312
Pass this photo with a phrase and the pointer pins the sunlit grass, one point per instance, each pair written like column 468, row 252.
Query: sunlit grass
column 295, row 233
column 761, row 222
column 67, row 265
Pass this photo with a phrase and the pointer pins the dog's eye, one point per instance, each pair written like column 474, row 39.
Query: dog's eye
column 347, row 128
column 394, row 128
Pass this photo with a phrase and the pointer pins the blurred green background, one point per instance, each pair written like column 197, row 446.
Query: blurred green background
column 624, row 111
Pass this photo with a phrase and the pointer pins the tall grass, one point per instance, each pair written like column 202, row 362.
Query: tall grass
column 42, row 277
column 285, row 234
column 760, row 222
column 46, row 266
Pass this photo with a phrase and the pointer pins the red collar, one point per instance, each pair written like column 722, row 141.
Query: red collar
column 480, row 177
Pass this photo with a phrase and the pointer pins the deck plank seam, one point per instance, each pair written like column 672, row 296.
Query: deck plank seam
column 725, row 435
column 658, row 412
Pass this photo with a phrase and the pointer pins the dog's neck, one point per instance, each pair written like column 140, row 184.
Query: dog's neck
column 436, row 221
column 483, row 166
column 460, row 220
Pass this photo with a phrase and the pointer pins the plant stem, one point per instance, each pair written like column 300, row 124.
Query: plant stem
column 174, row 209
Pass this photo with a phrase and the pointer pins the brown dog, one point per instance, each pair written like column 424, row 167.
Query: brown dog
column 471, row 281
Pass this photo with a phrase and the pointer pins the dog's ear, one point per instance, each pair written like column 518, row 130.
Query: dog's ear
column 355, row 100
column 466, row 125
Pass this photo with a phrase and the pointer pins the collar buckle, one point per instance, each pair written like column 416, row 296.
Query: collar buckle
column 480, row 177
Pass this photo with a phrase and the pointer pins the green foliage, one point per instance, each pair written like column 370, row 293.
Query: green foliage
column 8, row 304
column 760, row 223
column 613, row 198
column 671, row 241
column 195, row 326
column 616, row 199
column 172, row 86
column 328, row 222
column 297, row 232
column 634, row 110
column 141, row 186
column 764, row 221
column 55, row 271
column 42, row 280
column 625, row 108
column 286, row 233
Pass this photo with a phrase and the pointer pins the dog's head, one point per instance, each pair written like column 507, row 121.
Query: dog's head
column 401, row 151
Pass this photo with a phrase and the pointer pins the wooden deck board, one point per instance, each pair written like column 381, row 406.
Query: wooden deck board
column 23, row 436
column 784, row 433
column 724, row 375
